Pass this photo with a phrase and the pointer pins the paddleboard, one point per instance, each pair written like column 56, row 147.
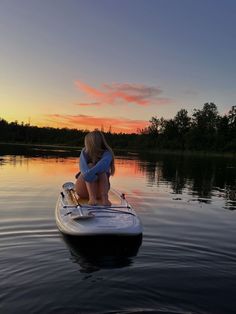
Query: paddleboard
column 75, row 217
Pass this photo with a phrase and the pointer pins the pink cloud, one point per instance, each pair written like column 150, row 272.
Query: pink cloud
column 89, row 90
column 81, row 121
column 85, row 104
column 129, row 93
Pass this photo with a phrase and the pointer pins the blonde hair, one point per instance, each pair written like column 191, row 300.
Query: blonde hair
column 95, row 145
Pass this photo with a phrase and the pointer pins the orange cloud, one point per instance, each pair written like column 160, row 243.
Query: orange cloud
column 129, row 93
column 95, row 104
column 117, row 125
column 90, row 90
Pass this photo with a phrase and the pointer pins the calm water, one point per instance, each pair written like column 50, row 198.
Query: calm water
column 185, row 264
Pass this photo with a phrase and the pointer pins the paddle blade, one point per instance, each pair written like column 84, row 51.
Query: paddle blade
column 68, row 186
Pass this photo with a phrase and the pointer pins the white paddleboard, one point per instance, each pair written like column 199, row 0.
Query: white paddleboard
column 75, row 217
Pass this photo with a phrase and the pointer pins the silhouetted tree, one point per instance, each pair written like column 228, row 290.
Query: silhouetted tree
column 182, row 122
column 206, row 130
column 232, row 117
column 202, row 135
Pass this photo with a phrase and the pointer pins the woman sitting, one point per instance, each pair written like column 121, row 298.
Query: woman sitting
column 96, row 166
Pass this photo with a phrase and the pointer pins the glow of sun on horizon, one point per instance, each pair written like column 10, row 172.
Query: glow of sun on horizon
column 83, row 122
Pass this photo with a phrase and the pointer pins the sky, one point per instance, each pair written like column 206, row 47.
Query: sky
column 114, row 64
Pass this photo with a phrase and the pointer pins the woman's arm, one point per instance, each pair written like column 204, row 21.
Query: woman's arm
column 83, row 164
column 103, row 165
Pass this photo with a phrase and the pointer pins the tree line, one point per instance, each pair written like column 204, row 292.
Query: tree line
column 205, row 130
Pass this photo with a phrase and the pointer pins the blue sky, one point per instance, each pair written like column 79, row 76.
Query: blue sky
column 86, row 63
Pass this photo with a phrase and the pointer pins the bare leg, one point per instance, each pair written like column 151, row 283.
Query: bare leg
column 92, row 188
column 87, row 189
column 81, row 188
column 103, row 188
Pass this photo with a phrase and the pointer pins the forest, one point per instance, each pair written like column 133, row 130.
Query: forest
column 206, row 130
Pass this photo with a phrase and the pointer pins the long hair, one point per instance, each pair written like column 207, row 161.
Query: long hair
column 95, row 145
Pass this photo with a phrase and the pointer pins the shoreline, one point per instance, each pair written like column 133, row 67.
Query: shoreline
column 131, row 151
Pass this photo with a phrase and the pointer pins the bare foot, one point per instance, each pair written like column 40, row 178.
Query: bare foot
column 106, row 202
column 92, row 202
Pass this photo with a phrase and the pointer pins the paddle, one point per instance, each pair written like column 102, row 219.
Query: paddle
column 69, row 188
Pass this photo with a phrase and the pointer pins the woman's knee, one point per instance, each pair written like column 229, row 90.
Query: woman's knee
column 80, row 187
column 103, row 175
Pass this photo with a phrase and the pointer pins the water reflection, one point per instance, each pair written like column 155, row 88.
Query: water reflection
column 203, row 177
column 95, row 253
column 187, row 256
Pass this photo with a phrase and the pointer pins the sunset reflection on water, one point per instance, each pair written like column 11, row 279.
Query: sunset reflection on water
column 187, row 208
column 199, row 180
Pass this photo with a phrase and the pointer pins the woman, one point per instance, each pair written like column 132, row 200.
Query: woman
column 96, row 166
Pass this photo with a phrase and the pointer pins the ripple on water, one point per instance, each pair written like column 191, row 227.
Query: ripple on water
column 186, row 263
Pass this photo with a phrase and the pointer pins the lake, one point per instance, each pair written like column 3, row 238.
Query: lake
column 186, row 262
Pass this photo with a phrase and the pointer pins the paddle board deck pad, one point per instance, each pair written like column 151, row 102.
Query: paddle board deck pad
column 75, row 217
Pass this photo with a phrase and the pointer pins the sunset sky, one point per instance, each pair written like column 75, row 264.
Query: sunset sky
column 114, row 63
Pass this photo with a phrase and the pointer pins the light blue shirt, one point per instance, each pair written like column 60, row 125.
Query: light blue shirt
column 103, row 165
